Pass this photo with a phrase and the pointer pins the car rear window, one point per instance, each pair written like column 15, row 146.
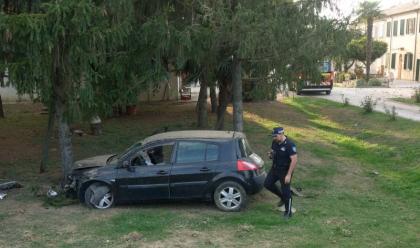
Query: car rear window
column 194, row 151
column 212, row 152
column 244, row 148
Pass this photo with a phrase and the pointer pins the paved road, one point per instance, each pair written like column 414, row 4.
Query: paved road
column 382, row 96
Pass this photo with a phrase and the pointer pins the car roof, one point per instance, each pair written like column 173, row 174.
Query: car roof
column 194, row 134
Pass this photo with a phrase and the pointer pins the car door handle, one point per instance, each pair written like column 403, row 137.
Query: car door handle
column 204, row 169
column 162, row 172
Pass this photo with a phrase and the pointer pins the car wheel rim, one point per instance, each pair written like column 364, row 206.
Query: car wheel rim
column 105, row 202
column 230, row 198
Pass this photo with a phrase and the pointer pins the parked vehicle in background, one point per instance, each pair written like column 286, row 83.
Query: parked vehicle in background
column 322, row 83
column 210, row 165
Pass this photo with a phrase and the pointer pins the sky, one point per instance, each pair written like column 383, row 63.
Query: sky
column 346, row 6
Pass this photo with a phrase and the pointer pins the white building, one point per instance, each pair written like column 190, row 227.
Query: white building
column 400, row 29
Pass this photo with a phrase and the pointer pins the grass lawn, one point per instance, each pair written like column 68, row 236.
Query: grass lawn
column 406, row 100
column 360, row 176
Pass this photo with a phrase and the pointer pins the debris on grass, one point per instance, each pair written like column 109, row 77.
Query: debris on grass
column 2, row 195
column 133, row 236
column 51, row 193
column 246, row 228
column 9, row 184
column 375, row 173
column 79, row 132
column 297, row 191
column 58, row 201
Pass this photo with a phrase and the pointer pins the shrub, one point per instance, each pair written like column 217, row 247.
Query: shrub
column 375, row 82
column 345, row 100
column 416, row 95
column 341, row 76
column 367, row 104
column 360, row 83
column 392, row 114
column 358, row 71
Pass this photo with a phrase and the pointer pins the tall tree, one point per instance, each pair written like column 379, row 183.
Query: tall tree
column 84, row 57
column 367, row 12
column 356, row 49
column 62, row 45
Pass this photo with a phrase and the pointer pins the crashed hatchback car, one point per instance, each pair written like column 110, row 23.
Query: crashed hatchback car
column 210, row 165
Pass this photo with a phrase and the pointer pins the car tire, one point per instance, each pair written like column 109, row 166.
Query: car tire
column 230, row 196
column 299, row 93
column 99, row 196
column 328, row 92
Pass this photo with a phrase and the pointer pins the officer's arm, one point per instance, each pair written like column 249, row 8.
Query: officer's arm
column 293, row 162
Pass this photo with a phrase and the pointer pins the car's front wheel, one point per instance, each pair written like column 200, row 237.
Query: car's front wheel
column 99, row 196
column 230, row 196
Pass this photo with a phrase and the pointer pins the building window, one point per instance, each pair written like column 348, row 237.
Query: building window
column 410, row 26
column 395, row 29
column 393, row 58
column 388, row 29
column 402, row 26
column 408, row 61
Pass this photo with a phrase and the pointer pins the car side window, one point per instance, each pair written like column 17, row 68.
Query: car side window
column 193, row 152
column 157, row 155
column 141, row 159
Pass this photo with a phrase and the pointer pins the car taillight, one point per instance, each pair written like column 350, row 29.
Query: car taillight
column 242, row 165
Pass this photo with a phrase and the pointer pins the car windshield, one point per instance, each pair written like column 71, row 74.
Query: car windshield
column 325, row 66
column 134, row 146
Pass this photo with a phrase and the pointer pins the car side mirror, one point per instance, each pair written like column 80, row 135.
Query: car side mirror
column 125, row 164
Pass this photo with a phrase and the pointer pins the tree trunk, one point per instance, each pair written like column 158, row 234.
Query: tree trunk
column 1, row 108
column 47, row 139
column 347, row 66
column 202, row 120
column 223, row 102
column 64, row 139
column 60, row 85
column 6, row 6
column 213, row 98
column 369, row 47
column 29, row 6
column 238, row 124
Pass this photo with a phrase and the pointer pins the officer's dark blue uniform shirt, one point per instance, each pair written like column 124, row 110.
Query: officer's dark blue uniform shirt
column 282, row 152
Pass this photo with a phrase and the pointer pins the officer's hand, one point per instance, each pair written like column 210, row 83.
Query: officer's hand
column 287, row 179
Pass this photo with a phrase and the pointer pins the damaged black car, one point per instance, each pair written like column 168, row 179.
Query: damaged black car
column 217, row 166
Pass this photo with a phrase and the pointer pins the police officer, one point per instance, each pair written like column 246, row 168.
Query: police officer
column 284, row 156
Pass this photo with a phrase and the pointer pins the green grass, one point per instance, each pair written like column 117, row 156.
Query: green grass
column 359, row 174
column 406, row 100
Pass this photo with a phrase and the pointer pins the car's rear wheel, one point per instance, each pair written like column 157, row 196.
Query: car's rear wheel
column 230, row 196
column 99, row 196
column 328, row 92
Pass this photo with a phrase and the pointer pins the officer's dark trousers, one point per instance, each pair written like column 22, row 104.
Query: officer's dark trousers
column 285, row 193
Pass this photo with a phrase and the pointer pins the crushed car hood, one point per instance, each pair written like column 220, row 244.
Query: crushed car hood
column 97, row 161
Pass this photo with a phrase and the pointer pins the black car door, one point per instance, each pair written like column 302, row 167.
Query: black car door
column 147, row 177
column 193, row 169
